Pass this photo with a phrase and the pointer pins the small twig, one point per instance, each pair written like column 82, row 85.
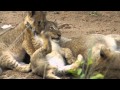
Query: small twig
column 44, row 74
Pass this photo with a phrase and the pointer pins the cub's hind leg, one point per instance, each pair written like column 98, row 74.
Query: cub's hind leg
column 8, row 61
column 73, row 66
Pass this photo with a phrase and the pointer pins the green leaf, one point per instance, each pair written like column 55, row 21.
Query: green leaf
column 82, row 76
column 79, row 71
column 71, row 71
column 98, row 76
column 82, row 62
column 90, row 62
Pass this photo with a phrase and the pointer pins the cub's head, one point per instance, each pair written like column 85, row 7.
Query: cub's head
column 35, row 20
column 51, row 25
column 52, row 30
column 108, row 62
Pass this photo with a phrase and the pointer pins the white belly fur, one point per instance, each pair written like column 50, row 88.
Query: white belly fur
column 55, row 58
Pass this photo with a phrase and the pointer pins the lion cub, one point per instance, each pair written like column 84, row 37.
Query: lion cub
column 104, row 50
column 50, row 58
column 16, row 42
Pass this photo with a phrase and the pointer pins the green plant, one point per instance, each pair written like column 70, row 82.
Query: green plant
column 88, row 72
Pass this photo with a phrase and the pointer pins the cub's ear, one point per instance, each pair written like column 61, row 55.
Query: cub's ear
column 31, row 13
column 105, row 53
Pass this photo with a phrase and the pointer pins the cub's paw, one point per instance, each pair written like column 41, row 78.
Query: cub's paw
column 78, row 62
column 105, row 52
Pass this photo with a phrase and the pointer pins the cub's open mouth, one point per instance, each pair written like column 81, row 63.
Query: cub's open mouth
column 58, row 38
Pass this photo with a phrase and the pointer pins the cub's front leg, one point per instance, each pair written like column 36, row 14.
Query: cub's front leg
column 27, row 44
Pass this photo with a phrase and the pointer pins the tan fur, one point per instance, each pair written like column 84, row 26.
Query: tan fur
column 104, row 51
column 17, row 41
column 48, row 59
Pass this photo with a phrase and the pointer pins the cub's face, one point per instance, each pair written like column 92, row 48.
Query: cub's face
column 52, row 30
column 36, row 20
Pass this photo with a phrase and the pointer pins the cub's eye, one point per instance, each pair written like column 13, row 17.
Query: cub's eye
column 51, row 28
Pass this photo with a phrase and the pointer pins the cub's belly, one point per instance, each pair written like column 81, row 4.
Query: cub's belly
column 56, row 59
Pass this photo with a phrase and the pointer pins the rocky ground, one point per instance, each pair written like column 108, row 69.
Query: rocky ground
column 71, row 23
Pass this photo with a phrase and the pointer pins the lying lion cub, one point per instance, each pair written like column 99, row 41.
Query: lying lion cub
column 104, row 50
column 50, row 58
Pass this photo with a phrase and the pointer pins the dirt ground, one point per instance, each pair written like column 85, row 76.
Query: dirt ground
column 73, row 23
